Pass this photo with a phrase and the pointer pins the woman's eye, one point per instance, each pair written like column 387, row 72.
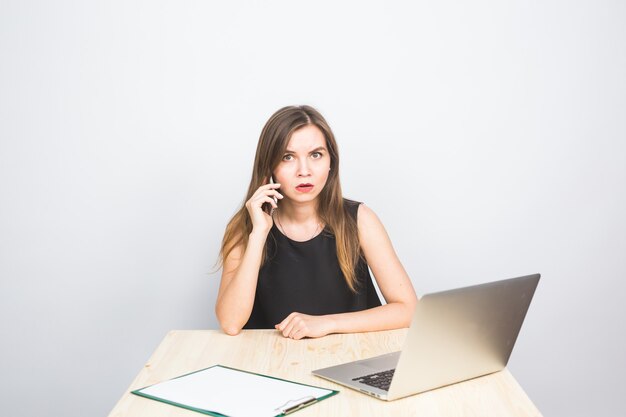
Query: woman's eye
column 287, row 158
column 316, row 155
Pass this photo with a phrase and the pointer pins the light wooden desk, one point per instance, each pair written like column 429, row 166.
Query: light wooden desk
column 266, row 352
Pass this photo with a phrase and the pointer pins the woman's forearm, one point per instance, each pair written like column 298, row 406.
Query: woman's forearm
column 234, row 305
column 386, row 317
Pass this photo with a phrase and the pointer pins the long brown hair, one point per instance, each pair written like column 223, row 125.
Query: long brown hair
column 273, row 141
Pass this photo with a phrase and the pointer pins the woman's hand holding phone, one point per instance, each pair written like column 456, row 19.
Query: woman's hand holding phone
column 261, row 204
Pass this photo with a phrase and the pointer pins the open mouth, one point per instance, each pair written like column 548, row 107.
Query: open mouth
column 304, row 188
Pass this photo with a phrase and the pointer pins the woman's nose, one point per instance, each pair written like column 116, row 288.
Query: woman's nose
column 303, row 169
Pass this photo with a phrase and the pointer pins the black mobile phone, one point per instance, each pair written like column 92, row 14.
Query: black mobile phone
column 267, row 207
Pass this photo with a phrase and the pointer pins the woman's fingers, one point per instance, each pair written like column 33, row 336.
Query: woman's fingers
column 286, row 325
column 269, row 187
column 298, row 326
column 288, row 328
column 261, row 193
column 258, row 202
column 297, row 334
column 270, row 195
column 294, row 326
column 265, row 194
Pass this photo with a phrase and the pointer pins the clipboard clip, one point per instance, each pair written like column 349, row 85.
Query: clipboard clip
column 294, row 405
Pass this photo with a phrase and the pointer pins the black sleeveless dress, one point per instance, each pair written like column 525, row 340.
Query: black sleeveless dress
column 305, row 277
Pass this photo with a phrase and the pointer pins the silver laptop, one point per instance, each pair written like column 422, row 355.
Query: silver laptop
column 454, row 336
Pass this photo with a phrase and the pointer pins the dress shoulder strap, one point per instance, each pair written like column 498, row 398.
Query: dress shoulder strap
column 352, row 207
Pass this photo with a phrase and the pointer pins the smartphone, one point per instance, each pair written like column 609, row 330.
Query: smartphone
column 269, row 209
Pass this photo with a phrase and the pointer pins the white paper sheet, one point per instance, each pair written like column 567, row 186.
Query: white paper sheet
column 231, row 392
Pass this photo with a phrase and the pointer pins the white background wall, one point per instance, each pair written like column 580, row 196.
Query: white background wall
column 489, row 137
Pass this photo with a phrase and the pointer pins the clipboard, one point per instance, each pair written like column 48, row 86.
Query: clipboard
column 223, row 391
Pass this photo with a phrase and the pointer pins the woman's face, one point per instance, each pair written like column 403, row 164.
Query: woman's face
column 303, row 170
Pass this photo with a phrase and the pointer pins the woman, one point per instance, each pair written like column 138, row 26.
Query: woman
column 295, row 257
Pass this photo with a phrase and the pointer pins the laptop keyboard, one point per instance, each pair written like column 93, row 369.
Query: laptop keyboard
column 380, row 380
